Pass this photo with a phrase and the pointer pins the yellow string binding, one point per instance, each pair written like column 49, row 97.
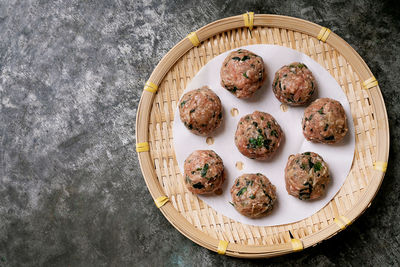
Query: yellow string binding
column 369, row 83
column 342, row 222
column 323, row 34
column 160, row 201
column 150, row 87
column 248, row 18
column 222, row 245
column 193, row 38
column 142, row 147
column 297, row 244
column 380, row 166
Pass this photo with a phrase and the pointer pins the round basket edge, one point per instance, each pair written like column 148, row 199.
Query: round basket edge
column 151, row 178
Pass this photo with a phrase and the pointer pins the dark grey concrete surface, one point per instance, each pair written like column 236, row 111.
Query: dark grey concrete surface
column 71, row 75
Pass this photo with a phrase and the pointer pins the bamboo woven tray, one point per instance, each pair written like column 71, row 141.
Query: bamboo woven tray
column 154, row 140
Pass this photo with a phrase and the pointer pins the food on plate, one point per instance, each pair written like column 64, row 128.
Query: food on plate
column 306, row 175
column 200, row 111
column 242, row 73
column 253, row 195
column 294, row 84
column 258, row 135
column 324, row 121
column 203, row 172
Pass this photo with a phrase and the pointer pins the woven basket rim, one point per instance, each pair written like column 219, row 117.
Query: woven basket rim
column 265, row 20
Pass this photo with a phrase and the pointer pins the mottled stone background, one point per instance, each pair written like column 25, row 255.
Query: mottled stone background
column 71, row 74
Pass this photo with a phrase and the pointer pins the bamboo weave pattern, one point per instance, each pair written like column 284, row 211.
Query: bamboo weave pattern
column 197, row 212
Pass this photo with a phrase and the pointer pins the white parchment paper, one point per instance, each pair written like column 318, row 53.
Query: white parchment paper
column 339, row 157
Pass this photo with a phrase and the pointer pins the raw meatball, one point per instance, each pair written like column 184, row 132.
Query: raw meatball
column 306, row 175
column 258, row 135
column 324, row 121
column 204, row 172
column 242, row 73
column 253, row 195
column 294, row 84
column 201, row 111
